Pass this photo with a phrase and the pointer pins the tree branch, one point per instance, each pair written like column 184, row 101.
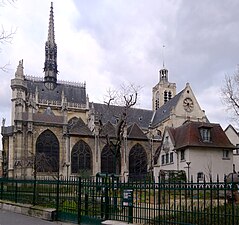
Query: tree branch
column 230, row 93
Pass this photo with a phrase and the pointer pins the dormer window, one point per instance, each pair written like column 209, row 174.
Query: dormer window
column 205, row 134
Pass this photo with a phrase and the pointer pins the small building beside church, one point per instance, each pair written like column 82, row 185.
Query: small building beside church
column 201, row 149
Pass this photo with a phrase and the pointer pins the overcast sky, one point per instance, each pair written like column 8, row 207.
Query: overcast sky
column 109, row 42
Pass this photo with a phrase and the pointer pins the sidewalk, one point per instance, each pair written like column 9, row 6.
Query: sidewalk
column 10, row 218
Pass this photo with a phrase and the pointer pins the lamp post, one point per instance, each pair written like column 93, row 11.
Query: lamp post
column 188, row 166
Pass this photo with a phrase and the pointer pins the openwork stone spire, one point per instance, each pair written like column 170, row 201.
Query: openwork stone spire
column 50, row 66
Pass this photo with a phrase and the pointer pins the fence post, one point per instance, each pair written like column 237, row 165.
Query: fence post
column 57, row 196
column 1, row 188
column 107, row 207
column 79, row 201
column 34, row 191
column 130, row 214
column 86, row 204
column 16, row 189
column 102, row 200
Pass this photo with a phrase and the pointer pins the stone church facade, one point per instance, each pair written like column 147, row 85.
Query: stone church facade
column 56, row 130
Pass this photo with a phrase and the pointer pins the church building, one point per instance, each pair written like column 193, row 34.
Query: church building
column 56, row 130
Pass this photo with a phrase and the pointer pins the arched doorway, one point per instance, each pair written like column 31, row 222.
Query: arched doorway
column 137, row 162
column 81, row 159
column 110, row 163
column 47, row 152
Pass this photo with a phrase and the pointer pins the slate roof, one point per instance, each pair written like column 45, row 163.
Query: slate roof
column 106, row 113
column 143, row 117
column 46, row 117
column 108, row 130
column 189, row 135
column 41, row 117
column 135, row 132
column 73, row 93
column 80, row 128
column 164, row 111
column 7, row 130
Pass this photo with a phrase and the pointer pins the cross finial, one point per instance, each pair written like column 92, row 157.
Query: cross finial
column 163, row 55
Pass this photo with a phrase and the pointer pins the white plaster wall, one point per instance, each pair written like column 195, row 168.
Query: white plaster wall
column 236, row 161
column 234, row 139
column 209, row 161
column 232, row 136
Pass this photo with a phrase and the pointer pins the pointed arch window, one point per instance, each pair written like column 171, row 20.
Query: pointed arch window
column 109, row 163
column 81, row 158
column 137, row 162
column 47, row 152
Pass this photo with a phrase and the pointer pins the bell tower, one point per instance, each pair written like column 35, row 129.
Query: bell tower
column 163, row 91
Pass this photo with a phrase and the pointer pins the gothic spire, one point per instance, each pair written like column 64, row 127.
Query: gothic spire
column 50, row 66
column 51, row 35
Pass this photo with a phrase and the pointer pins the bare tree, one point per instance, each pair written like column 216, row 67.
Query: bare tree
column 6, row 36
column 230, row 94
column 5, row 2
column 208, row 170
column 126, row 97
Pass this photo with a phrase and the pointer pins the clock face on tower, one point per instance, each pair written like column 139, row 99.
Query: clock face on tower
column 188, row 104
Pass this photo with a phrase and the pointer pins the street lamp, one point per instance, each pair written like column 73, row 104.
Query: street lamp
column 188, row 166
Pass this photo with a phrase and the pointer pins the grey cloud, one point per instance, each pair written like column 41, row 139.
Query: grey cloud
column 200, row 38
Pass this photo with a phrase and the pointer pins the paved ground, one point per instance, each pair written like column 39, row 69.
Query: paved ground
column 10, row 218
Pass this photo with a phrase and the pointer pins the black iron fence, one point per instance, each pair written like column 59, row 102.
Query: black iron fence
column 105, row 197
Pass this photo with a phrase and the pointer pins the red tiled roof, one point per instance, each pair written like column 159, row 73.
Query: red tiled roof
column 189, row 135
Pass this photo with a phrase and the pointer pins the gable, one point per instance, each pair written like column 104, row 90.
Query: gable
column 135, row 132
column 232, row 134
column 188, row 107
column 79, row 128
column 108, row 130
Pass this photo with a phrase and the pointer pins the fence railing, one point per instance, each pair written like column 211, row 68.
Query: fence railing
column 142, row 202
